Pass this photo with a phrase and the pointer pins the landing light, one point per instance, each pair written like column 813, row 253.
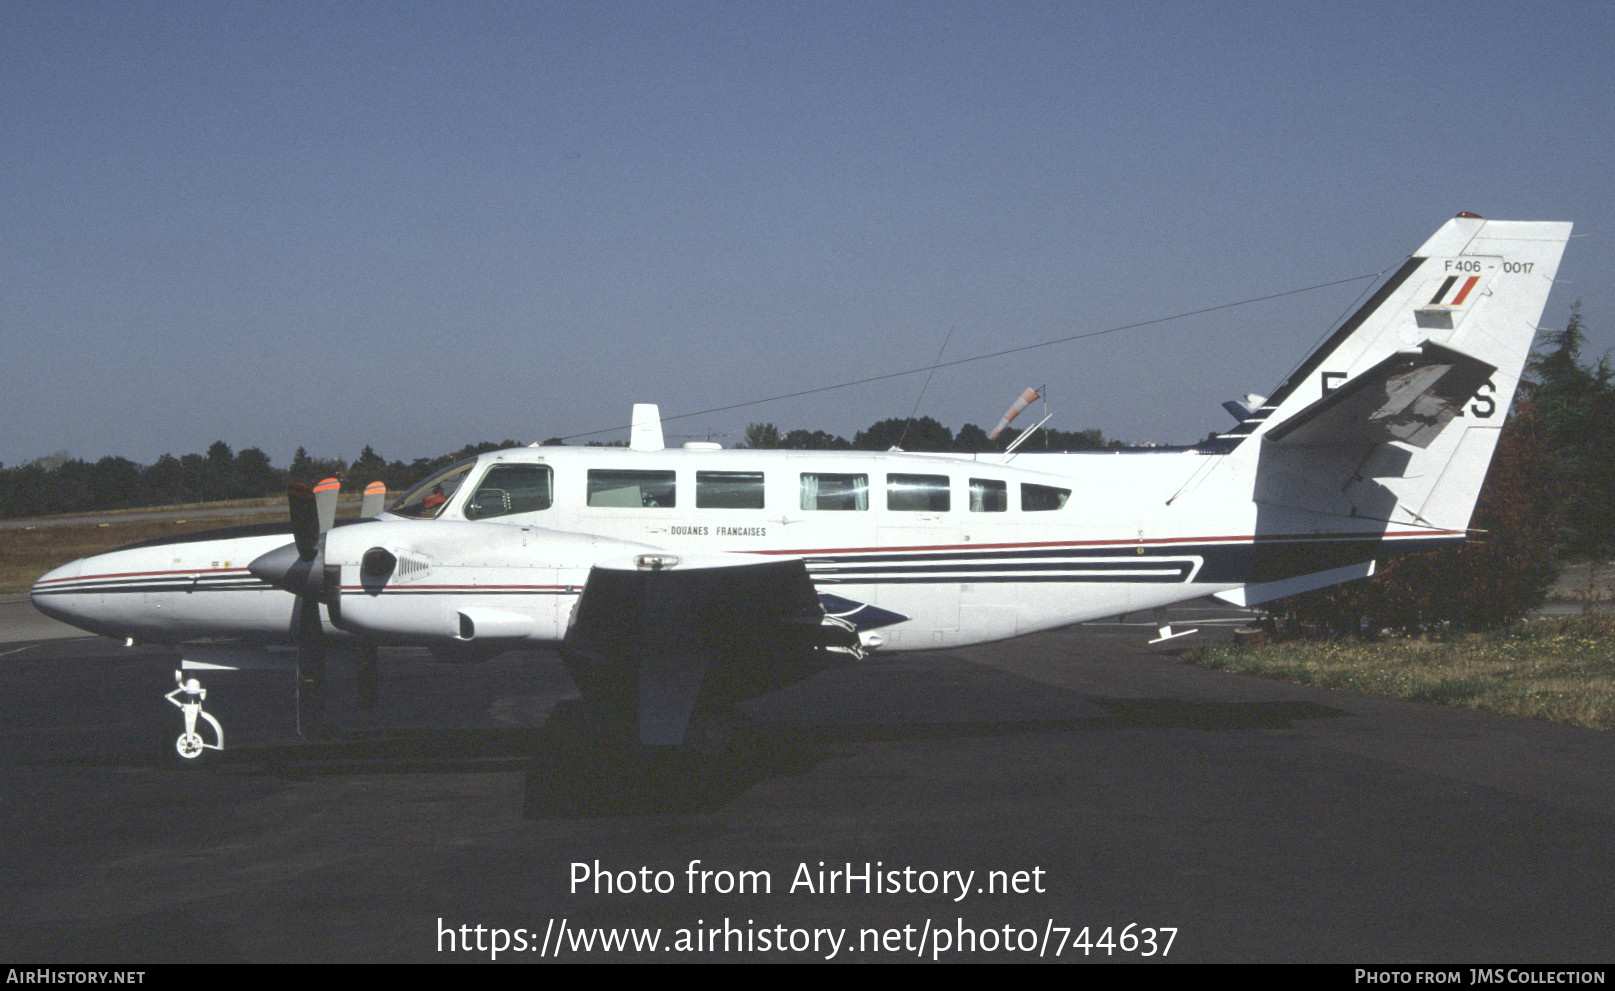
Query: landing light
column 656, row 562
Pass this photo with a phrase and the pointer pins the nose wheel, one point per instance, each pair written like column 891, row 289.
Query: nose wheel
column 188, row 698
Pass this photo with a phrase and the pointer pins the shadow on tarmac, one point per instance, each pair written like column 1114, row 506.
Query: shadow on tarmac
column 574, row 769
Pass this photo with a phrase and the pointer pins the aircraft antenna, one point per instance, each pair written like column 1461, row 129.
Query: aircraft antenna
column 904, row 435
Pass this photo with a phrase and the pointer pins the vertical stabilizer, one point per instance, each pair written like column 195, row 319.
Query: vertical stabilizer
column 1395, row 418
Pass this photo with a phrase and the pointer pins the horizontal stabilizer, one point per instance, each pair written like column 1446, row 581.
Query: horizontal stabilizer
column 1408, row 397
column 1256, row 594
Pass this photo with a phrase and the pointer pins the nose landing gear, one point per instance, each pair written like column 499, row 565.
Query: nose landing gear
column 188, row 698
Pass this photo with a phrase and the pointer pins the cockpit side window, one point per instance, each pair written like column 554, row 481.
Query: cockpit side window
column 426, row 500
column 507, row 489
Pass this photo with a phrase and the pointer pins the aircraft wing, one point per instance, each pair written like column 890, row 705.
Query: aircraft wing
column 1410, row 397
column 682, row 632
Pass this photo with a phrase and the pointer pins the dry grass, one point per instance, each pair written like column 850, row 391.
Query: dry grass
column 258, row 503
column 1562, row 669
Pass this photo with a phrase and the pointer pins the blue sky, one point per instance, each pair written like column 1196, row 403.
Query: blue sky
column 416, row 226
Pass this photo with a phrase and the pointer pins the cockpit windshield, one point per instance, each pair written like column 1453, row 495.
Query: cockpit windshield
column 426, row 500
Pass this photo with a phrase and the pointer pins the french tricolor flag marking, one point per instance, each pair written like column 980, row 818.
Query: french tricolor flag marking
column 1453, row 292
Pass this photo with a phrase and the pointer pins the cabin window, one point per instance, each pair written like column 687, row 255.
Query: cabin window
column 636, row 489
column 729, row 490
column 1041, row 498
column 988, row 495
column 426, row 500
column 510, row 489
column 821, row 490
column 917, row 493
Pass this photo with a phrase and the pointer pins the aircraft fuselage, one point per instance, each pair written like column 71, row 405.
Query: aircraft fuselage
column 929, row 550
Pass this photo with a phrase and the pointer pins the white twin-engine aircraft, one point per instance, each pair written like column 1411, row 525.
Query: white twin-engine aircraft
column 676, row 582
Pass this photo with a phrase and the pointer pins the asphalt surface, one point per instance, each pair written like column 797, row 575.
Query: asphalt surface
column 1261, row 821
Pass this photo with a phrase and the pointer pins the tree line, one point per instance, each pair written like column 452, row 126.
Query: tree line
column 59, row 483
column 923, row 434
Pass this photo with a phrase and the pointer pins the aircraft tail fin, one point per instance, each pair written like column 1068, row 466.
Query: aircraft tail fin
column 1396, row 416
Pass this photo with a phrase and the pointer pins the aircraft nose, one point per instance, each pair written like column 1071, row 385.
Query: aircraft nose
column 53, row 593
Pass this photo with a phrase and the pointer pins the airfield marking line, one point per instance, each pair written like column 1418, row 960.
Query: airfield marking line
column 19, row 649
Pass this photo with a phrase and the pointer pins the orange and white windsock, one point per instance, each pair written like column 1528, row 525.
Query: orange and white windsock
column 1027, row 398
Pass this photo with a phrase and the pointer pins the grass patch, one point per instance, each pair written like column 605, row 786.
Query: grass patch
column 1561, row 669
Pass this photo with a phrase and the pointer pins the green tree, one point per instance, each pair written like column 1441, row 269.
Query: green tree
column 163, row 481
column 816, row 440
column 1575, row 404
column 254, row 476
column 761, row 437
column 367, row 468
column 218, row 476
column 115, row 483
column 302, row 469
column 972, row 439
column 923, row 434
column 193, row 469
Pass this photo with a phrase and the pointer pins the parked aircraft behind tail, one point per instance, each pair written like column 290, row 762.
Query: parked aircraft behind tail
column 677, row 582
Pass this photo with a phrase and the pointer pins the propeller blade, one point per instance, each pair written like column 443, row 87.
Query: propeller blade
column 305, row 520
column 299, row 568
column 325, row 495
column 375, row 497
column 310, row 667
